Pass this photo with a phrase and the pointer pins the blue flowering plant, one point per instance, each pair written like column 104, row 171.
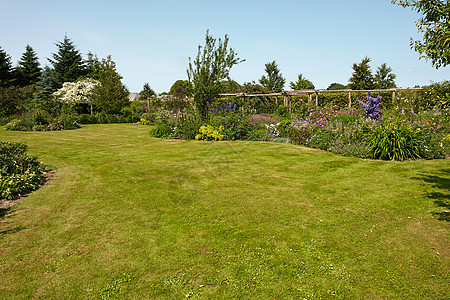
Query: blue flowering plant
column 372, row 107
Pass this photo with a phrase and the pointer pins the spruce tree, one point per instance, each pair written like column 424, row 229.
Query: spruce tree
column 6, row 69
column 67, row 62
column 28, row 69
column 274, row 80
column 362, row 78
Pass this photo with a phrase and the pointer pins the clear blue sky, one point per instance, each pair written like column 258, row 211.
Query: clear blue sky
column 151, row 40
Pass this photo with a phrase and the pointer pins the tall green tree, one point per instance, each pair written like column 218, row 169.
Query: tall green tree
column 362, row 78
column 384, row 78
column 92, row 66
column 274, row 80
column 435, row 26
column 211, row 66
column 146, row 93
column 181, row 89
column 112, row 95
column 302, row 84
column 6, row 69
column 28, row 69
column 67, row 62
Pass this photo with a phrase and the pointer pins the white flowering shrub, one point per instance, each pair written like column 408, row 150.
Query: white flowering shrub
column 77, row 92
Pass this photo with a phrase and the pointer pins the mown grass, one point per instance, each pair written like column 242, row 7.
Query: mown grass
column 127, row 216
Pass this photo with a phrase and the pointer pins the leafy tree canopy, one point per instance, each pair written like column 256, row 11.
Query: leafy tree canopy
column 211, row 66
column 111, row 95
column 435, row 26
column 362, row 78
column 181, row 89
column 384, row 78
column 231, row 86
column 336, row 86
column 147, row 92
column 274, row 80
column 301, row 84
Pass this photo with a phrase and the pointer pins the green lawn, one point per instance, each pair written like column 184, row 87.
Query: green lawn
column 128, row 216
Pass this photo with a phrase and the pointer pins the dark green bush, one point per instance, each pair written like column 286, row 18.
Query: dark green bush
column 19, row 172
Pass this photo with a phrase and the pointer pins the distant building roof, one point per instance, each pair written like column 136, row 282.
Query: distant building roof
column 134, row 96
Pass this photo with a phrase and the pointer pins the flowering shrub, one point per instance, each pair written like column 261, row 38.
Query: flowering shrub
column 19, row 172
column 210, row 133
column 77, row 92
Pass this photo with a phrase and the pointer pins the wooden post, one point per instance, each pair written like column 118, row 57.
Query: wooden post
column 393, row 96
column 317, row 99
column 285, row 100
column 350, row 99
column 290, row 107
column 276, row 100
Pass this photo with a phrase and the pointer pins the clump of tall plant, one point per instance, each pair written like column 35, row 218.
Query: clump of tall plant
column 372, row 107
column 19, row 173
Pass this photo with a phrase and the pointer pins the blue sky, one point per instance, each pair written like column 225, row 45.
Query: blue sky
column 150, row 41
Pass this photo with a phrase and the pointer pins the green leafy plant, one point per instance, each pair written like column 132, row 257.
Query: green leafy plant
column 19, row 172
column 209, row 133
column 390, row 141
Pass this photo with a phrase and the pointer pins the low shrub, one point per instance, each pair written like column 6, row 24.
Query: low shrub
column 19, row 172
column 390, row 141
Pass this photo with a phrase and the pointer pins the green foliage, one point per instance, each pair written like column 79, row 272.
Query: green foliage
column 435, row 26
column 302, row 84
column 209, row 133
column 147, row 92
column 111, row 96
column 12, row 99
column 391, row 141
column 362, row 78
column 92, row 66
column 211, row 66
column 40, row 120
column 67, row 63
column 274, row 81
column 384, row 78
column 28, row 70
column 19, row 172
column 230, row 87
column 6, row 69
column 336, row 86
column 436, row 95
column 181, row 89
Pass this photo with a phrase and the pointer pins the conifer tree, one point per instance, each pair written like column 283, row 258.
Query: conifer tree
column 362, row 78
column 6, row 69
column 67, row 62
column 28, row 68
column 274, row 80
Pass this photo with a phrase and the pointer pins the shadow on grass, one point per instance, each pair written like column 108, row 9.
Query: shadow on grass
column 441, row 198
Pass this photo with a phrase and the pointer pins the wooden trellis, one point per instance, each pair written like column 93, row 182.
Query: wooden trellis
column 314, row 93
